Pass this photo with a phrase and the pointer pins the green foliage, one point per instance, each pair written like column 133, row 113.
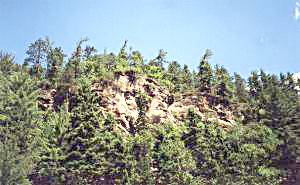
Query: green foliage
column 186, row 79
column 19, row 128
column 205, row 75
column 223, row 85
column 240, row 156
column 240, row 93
column 140, row 152
column 174, row 165
column 160, row 60
column 142, row 101
column 7, row 65
column 14, row 165
column 174, row 75
column 37, row 55
column 137, row 62
column 55, row 60
column 77, row 143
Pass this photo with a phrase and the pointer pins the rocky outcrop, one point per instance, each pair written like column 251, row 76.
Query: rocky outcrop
column 119, row 98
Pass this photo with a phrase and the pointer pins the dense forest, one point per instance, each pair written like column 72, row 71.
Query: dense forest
column 73, row 141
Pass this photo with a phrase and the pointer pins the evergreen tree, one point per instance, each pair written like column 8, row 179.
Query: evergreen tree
column 142, row 105
column 173, row 74
column 89, row 52
column 122, row 61
column 137, row 62
column 55, row 61
column 240, row 92
column 241, row 156
column 160, row 60
column 80, row 147
column 74, row 62
column 174, row 165
column 223, row 85
column 37, row 55
column 7, row 65
column 187, row 78
column 140, row 154
column 204, row 76
column 50, row 168
column 19, row 128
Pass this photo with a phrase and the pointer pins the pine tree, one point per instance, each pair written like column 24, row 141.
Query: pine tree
column 122, row 62
column 140, row 159
column 137, row 62
column 240, row 92
column 37, row 55
column 89, row 52
column 50, row 168
column 223, row 86
column 204, row 76
column 80, row 139
column 186, row 78
column 254, row 85
column 55, row 60
column 241, row 156
column 73, row 66
column 281, row 113
column 253, row 106
column 173, row 74
column 160, row 60
column 19, row 128
column 7, row 65
column 142, row 104
column 174, row 165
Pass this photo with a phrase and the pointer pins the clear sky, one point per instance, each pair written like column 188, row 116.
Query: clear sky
column 243, row 34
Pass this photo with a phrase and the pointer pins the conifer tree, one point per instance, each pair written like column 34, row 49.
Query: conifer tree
column 187, row 78
column 240, row 92
column 80, row 139
column 55, row 61
column 204, row 76
column 140, row 152
column 174, row 165
column 74, row 62
column 37, row 55
column 160, row 60
column 89, row 52
column 137, row 62
column 7, row 65
column 223, row 85
column 142, row 104
column 19, row 128
column 254, row 85
column 174, row 76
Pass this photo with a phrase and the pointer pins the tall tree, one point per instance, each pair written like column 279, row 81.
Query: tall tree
column 223, row 86
column 240, row 91
column 55, row 61
column 19, row 128
column 73, row 66
column 160, row 60
column 173, row 73
column 186, row 78
column 204, row 76
column 37, row 55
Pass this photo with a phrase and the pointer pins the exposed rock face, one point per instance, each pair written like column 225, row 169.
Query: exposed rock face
column 119, row 98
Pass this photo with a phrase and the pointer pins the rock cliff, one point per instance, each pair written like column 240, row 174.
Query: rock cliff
column 119, row 98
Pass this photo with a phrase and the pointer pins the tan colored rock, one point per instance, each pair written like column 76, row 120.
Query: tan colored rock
column 118, row 98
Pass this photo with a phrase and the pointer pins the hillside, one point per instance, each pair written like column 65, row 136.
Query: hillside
column 119, row 97
column 117, row 118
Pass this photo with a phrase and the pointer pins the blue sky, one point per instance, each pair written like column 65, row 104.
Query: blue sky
column 243, row 34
